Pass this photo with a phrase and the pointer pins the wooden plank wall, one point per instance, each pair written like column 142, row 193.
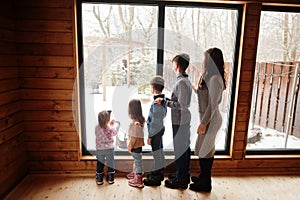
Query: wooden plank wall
column 12, row 152
column 37, row 75
column 45, row 47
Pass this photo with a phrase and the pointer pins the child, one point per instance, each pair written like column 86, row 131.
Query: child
column 181, row 118
column 105, row 147
column 156, row 129
column 135, row 142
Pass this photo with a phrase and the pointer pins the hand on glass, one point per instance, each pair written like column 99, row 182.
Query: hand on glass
column 112, row 122
column 158, row 100
column 201, row 130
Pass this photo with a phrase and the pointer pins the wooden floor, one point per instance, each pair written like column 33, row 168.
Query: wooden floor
column 84, row 187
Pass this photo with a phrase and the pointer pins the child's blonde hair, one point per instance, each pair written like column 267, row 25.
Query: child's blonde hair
column 135, row 111
column 103, row 118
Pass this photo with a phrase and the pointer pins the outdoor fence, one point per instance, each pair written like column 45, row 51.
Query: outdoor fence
column 276, row 97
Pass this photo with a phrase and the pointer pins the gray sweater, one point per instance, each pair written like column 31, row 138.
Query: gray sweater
column 180, row 100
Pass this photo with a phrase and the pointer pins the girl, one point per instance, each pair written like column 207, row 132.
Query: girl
column 105, row 147
column 209, row 90
column 135, row 142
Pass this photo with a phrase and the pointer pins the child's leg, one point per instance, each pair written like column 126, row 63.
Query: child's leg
column 137, row 181
column 158, row 153
column 100, row 161
column 137, row 156
column 181, row 141
column 110, row 160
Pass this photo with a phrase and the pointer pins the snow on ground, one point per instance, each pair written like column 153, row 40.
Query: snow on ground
column 272, row 139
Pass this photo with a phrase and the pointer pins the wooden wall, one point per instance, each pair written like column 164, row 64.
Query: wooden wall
column 45, row 45
column 37, row 76
column 12, row 152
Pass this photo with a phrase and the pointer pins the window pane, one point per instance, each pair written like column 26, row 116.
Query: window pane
column 192, row 31
column 275, row 119
column 120, row 50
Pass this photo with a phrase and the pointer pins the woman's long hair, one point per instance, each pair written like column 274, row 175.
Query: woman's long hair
column 135, row 111
column 213, row 64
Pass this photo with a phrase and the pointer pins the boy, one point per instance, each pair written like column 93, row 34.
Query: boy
column 181, row 118
column 156, row 129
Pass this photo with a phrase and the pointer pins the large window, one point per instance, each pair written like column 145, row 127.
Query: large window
column 124, row 45
column 275, row 120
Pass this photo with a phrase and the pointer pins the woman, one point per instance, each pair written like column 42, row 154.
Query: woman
column 209, row 91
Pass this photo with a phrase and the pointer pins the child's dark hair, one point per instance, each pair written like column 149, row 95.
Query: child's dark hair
column 158, row 83
column 135, row 111
column 103, row 118
column 183, row 60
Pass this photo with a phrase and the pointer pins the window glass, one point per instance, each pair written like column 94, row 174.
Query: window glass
column 120, row 51
column 194, row 30
column 119, row 43
column 275, row 119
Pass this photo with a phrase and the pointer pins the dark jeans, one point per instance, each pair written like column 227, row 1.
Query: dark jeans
column 158, row 152
column 108, row 155
column 182, row 151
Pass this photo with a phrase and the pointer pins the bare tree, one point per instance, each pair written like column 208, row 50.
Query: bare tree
column 177, row 21
column 104, row 22
column 147, row 29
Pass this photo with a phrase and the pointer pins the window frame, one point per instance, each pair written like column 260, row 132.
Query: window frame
column 277, row 151
column 160, row 56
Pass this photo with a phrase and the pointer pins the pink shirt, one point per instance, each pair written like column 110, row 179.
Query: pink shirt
column 104, row 137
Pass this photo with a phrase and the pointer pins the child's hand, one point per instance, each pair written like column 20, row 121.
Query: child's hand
column 149, row 141
column 129, row 150
column 158, row 100
column 112, row 122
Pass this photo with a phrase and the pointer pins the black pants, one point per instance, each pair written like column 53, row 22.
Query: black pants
column 182, row 151
column 158, row 152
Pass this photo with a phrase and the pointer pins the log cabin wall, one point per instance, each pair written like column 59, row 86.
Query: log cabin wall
column 13, row 161
column 38, row 74
column 45, row 40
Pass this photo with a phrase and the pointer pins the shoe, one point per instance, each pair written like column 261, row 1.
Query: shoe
column 172, row 176
column 110, row 177
column 176, row 183
column 137, row 181
column 161, row 176
column 153, row 180
column 196, row 178
column 99, row 178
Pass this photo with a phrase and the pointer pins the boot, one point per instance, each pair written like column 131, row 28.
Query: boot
column 203, row 184
column 197, row 178
column 137, row 181
column 176, row 183
column 131, row 174
column 110, row 177
column 154, row 179
column 99, row 178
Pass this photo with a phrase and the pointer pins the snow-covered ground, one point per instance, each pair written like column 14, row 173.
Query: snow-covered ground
column 272, row 139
